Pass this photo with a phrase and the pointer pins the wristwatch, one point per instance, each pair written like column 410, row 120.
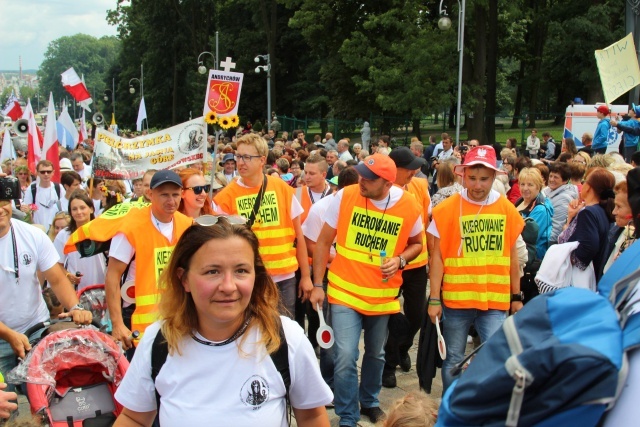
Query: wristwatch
column 77, row 307
column 403, row 262
column 519, row 297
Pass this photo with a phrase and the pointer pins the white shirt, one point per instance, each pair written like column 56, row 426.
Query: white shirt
column 315, row 221
column 47, row 202
column 224, row 385
column 345, row 156
column 21, row 304
column 333, row 212
column 93, row 268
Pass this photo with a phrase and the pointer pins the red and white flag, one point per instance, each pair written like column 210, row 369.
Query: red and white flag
column 12, row 108
column 50, row 145
column 34, row 139
column 76, row 87
column 82, row 134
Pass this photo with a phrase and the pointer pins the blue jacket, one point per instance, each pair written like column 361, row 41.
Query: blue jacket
column 630, row 140
column 542, row 214
column 601, row 134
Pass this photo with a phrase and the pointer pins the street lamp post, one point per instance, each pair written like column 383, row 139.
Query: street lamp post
column 113, row 98
column 444, row 24
column 202, row 69
column 132, row 90
column 266, row 68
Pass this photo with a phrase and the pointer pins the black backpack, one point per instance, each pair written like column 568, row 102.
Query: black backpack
column 530, row 236
column 280, row 357
column 56, row 186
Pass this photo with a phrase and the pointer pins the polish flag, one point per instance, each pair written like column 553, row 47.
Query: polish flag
column 12, row 108
column 82, row 134
column 76, row 87
column 50, row 144
column 34, row 139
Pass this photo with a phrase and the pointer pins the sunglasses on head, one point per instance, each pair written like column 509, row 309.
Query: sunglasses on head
column 209, row 220
column 198, row 189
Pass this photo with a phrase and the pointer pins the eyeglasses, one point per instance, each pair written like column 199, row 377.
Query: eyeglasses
column 198, row 189
column 209, row 220
column 246, row 158
column 47, row 172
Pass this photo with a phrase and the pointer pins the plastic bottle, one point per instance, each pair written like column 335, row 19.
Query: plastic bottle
column 383, row 259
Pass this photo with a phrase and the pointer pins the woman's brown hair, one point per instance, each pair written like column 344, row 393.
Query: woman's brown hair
column 177, row 308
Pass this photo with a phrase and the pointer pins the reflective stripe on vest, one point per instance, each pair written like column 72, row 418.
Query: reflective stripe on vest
column 363, row 231
column 476, row 246
column 419, row 188
column 273, row 225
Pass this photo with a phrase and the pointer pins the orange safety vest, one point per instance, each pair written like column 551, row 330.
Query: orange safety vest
column 476, row 250
column 305, row 201
column 153, row 252
column 419, row 188
column 363, row 232
column 273, row 224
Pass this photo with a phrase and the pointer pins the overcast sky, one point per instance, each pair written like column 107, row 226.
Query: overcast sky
column 28, row 26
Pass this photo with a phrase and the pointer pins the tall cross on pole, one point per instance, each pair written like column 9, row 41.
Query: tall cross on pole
column 227, row 65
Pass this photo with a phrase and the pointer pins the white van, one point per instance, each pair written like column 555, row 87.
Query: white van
column 579, row 119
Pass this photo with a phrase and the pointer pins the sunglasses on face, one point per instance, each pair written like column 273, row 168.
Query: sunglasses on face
column 47, row 172
column 198, row 189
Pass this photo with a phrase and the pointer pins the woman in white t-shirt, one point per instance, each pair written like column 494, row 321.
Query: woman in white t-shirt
column 92, row 269
column 219, row 316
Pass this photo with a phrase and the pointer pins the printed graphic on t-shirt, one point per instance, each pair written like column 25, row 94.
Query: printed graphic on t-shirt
column 25, row 258
column 254, row 392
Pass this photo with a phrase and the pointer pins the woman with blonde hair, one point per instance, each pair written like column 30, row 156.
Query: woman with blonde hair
column 416, row 409
column 195, row 194
column 219, row 318
column 60, row 221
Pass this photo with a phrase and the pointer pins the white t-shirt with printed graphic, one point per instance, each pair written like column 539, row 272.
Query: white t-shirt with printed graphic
column 21, row 302
column 225, row 385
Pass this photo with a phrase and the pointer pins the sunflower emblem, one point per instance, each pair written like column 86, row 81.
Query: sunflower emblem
column 235, row 121
column 225, row 122
column 211, row 118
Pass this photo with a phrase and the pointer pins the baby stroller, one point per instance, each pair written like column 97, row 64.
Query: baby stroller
column 71, row 377
column 94, row 299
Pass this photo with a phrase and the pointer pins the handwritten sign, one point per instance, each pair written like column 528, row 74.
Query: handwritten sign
column 618, row 68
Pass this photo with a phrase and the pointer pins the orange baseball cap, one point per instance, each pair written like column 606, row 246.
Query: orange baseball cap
column 377, row 166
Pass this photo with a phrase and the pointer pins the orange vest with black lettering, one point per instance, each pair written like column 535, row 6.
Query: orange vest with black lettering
column 419, row 188
column 153, row 252
column 273, row 224
column 363, row 232
column 476, row 247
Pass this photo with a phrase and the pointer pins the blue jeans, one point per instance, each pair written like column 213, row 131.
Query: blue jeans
column 347, row 327
column 287, row 290
column 8, row 359
column 456, row 324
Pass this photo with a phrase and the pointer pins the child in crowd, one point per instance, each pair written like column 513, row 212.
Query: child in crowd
column 416, row 409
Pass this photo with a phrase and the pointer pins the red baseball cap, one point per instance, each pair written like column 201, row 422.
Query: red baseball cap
column 377, row 166
column 483, row 155
column 603, row 109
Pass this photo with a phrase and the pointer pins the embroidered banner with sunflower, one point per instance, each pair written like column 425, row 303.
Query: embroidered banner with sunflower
column 115, row 157
column 222, row 98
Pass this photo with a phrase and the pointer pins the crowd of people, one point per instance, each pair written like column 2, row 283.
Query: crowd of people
column 231, row 258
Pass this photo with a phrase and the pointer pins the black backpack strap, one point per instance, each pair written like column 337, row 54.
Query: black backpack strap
column 159, row 353
column 56, row 186
column 33, row 192
column 280, row 358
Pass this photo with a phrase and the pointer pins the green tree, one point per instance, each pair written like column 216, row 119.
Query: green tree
column 88, row 56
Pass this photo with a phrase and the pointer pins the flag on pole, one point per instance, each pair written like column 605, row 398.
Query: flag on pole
column 50, row 144
column 142, row 115
column 12, row 108
column 8, row 152
column 82, row 135
column 76, row 87
column 67, row 132
column 34, row 139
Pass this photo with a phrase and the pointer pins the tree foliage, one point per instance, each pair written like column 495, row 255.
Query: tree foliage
column 88, row 55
